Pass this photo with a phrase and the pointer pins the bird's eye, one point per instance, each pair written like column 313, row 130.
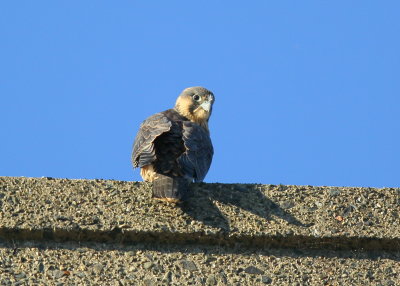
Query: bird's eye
column 196, row 97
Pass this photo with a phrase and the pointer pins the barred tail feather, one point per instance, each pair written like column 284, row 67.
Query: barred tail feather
column 172, row 189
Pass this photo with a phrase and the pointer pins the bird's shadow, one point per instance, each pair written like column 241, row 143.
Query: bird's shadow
column 201, row 207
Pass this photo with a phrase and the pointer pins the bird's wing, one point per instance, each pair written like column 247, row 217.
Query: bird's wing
column 143, row 148
column 196, row 160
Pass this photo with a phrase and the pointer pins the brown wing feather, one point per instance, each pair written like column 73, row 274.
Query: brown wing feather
column 168, row 147
column 169, row 144
column 143, row 148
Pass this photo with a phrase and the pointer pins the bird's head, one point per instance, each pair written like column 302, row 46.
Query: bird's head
column 195, row 103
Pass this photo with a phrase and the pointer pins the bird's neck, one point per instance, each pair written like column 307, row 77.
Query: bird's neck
column 204, row 124
column 200, row 117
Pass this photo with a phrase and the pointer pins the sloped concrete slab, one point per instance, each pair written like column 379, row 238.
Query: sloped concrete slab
column 102, row 232
column 255, row 215
column 48, row 263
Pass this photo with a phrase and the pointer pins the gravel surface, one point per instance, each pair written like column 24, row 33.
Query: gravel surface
column 263, row 215
column 102, row 232
column 27, row 263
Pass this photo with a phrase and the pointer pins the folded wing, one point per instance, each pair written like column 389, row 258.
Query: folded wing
column 196, row 160
column 144, row 152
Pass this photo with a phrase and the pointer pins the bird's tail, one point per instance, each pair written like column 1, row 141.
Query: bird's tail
column 171, row 189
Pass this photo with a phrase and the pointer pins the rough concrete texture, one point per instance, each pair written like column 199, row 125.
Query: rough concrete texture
column 103, row 264
column 67, row 232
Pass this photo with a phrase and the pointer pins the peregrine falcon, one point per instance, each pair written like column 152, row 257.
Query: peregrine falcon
column 173, row 148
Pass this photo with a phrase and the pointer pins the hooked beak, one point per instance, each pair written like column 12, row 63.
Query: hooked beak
column 206, row 106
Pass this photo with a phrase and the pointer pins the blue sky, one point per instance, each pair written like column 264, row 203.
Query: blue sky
column 307, row 92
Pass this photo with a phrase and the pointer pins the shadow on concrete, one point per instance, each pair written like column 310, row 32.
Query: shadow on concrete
column 201, row 207
column 360, row 254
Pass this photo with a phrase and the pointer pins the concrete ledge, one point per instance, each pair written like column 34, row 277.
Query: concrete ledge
column 97, row 232
column 217, row 214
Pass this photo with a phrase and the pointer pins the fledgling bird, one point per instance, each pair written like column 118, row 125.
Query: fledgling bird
column 173, row 148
